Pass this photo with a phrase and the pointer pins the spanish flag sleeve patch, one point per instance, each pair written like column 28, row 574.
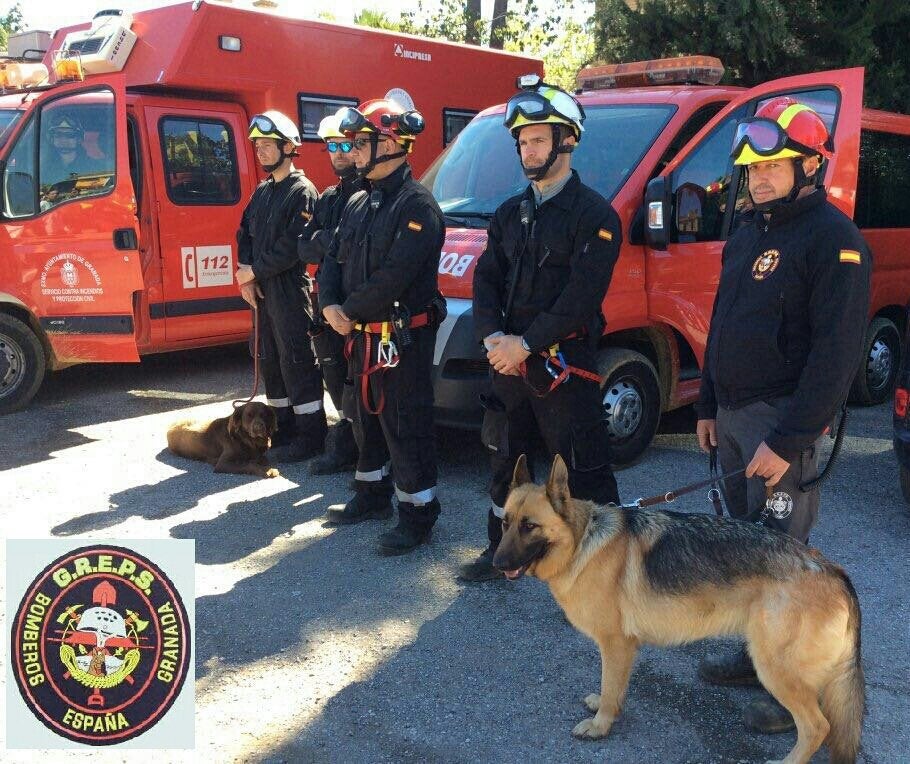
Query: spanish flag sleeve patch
column 850, row 256
column 603, row 233
column 413, row 225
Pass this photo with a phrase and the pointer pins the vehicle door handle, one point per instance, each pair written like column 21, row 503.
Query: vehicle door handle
column 125, row 238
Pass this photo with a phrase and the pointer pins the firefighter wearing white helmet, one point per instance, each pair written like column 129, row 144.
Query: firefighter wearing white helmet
column 273, row 281
column 538, row 288
column 313, row 244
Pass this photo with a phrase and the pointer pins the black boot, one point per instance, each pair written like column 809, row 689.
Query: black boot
column 343, row 453
column 413, row 529
column 481, row 568
column 287, row 427
column 308, row 441
column 732, row 669
column 766, row 715
column 366, row 505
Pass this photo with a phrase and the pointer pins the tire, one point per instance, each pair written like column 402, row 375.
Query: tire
column 22, row 364
column 881, row 361
column 631, row 401
column 905, row 484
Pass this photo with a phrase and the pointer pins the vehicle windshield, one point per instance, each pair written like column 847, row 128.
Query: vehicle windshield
column 480, row 170
column 8, row 118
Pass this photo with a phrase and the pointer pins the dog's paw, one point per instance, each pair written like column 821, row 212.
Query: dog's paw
column 593, row 728
column 272, row 472
column 592, row 702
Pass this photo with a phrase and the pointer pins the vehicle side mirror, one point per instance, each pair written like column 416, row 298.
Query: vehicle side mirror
column 18, row 194
column 657, row 213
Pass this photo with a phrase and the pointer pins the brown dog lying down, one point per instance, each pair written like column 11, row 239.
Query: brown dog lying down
column 235, row 443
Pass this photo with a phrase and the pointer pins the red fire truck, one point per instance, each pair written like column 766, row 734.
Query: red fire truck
column 122, row 192
column 657, row 143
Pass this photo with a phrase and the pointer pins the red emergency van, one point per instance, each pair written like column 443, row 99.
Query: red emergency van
column 120, row 194
column 657, row 145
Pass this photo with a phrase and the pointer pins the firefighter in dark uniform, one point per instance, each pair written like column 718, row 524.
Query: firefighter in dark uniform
column 538, row 290
column 312, row 246
column 378, row 286
column 784, row 344
column 272, row 281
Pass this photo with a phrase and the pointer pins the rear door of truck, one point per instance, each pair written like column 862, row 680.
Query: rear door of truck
column 203, row 181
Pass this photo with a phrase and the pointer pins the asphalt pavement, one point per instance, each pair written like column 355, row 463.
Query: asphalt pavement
column 309, row 647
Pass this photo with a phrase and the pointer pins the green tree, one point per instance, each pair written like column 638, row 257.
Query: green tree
column 11, row 22
column 378, row 20
column 760, row 40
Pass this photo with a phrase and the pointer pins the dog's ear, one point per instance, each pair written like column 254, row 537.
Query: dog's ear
column 558, row 484
column 235, row 422
column 521, row 475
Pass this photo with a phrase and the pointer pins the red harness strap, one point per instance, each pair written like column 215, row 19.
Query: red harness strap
column 383, row 330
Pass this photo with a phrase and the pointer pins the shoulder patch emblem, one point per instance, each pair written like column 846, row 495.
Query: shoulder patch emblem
column 603, row 233
column 765, row 264
column 850, row 256
column 102, row 645
column 415, row 226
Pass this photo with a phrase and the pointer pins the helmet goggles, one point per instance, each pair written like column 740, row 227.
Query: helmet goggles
column 534, row 106
column 265, row 125
column 766, row 138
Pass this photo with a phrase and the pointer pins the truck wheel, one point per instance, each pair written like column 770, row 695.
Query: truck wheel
column 631, row 402
column 881, row 361
column 22, row 364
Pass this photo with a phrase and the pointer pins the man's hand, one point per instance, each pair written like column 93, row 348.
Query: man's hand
column 767, row 464
column 249, row 291
column 706, row 429
column 245, row 274
column 337, row 319
column 507, row 354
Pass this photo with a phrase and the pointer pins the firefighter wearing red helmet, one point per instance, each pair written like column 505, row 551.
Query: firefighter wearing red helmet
column 784, row 342
column 272, row 281
column 378, row 286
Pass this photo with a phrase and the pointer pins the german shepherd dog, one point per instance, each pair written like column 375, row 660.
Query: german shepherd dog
column 626, row 577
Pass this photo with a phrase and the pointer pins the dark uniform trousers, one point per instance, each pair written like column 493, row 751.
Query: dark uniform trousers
column 286, row 358
column 403, row 429
column 791, row 510
column 570, row 421
column 328, row 346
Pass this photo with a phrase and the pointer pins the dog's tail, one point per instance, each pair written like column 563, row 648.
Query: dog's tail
column 843, row 700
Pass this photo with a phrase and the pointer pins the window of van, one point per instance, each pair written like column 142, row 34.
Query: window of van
column 701, row 183
column 200, row 162
column 76, row 150
column 480, row 170
column 313, row 108
column 453, row 122
column 8, row 119
column 883, row 187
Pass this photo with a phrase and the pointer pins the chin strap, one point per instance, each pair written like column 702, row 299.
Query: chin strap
column 348, row 173
column 270, row 168
column 374, row 160
column 800, row 182
column 539, row 173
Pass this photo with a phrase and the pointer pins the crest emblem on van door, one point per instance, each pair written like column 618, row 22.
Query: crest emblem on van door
column 68, row 273
column 765, row 264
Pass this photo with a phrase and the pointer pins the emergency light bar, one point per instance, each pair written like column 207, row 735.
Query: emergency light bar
column 105, row 47
column 703, row 70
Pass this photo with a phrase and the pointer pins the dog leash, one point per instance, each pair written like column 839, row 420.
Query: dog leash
column 671, row 496
column 239, row 403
